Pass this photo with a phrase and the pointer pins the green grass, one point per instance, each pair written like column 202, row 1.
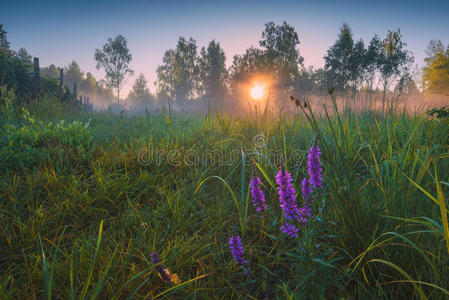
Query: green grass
column 80, row 214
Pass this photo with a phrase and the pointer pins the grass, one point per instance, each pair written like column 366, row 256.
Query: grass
column 81, row 213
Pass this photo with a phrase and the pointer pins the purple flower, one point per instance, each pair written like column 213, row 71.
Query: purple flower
column 287, row 195
column 236, row 247
column 290, row 230
column 155, row 259
column 257, row 194
column 314, row 166
column 305, row 212
column 306, row 188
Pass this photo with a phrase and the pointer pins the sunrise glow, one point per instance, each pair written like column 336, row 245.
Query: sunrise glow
column 257, row 91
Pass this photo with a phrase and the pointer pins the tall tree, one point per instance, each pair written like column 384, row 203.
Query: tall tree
column 338, row 59
column 436, row 72
column 281, row 42
column 393, row 62
column 178, row 76
column 245, row 66
column 307, row 82
column 166, row 75
column 50, row 71
column 115, row 58
column 371, row 63
column 4, row 44
column 72, row 74
column 140, row 93
column 212, row 72
column 23, row 54
column 358, row 68
column 88, row 85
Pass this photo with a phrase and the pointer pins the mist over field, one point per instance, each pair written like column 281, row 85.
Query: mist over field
column 224, row 150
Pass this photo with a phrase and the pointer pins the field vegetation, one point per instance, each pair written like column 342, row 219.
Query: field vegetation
column 175, row 205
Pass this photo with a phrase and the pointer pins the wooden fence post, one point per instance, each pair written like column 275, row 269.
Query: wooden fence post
column 61, row 78
column 37, row 75
column 74, row 91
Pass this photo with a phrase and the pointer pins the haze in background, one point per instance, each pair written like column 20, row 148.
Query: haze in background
column 59, row 31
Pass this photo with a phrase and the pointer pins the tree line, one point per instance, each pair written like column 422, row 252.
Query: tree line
column 187, row 73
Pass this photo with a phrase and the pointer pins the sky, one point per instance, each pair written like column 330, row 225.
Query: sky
column 61, row 31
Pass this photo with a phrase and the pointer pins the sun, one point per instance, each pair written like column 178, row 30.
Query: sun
column 257, row 91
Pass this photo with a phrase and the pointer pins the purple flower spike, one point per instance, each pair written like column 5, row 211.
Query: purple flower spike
column 306, row 189
column 236, row 247
column 290, row 230
column 257, row 194
column 287, row 195
column 305, row 213
column 314, row 166
column 155, row 259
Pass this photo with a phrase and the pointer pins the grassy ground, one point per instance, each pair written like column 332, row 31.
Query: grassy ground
column 83, row 204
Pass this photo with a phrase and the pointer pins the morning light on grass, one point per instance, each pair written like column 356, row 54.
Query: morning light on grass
column 224, row 150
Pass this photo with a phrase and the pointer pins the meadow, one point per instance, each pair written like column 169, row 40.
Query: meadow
column 85, row 203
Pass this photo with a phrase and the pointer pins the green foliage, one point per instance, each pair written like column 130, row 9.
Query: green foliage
column 50, row 71
column 140, row 95
column 213, row 74
column 4, row 43
column 439, row 113
column 32, row 142
column 16, row 74
column 281, row 42
column 23, row 54
column 178, row 76
column 100, row 207
column 338, row 63
column 114, row 59
column 279, row 58
column 436, row 72
column 72, row 74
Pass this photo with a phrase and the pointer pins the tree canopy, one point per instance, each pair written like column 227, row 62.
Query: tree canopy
column 114, row 59
column 212, row 72
column 4, row 43
column 179, row 73
column 140, row 93
column 436, row 72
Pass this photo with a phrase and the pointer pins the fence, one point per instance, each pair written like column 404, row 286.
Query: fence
column 81, row 102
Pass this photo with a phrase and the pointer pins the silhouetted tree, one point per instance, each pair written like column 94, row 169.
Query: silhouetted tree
column 279, row 58
column 371, row 63
column 358, row 67
column 72, row 74
column 212, row 72
column 393, row 62
column 140, row 93
column 4, row 43
column 50, row 71
column 23, row 54
column 245, row 66
column 338, row 63
column 280, row 42
column 114, row 59
column 178, row 76
column 88, row 85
